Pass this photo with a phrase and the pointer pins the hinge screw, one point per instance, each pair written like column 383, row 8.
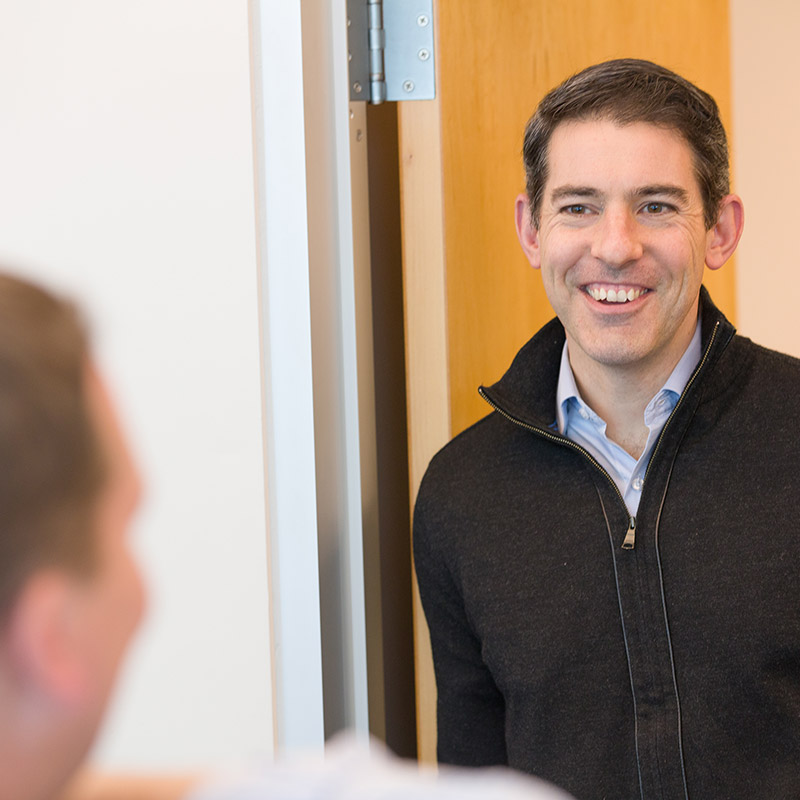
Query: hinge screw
column 408, row 86
column 424, row 54
column 357, row 87
column 422, row 20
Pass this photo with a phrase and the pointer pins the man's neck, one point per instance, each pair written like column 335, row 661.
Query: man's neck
column 619, row 394
column 37, row 747
column 620, row 401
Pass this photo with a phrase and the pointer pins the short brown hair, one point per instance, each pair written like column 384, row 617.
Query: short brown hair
column 625, row 91
column 51, row 463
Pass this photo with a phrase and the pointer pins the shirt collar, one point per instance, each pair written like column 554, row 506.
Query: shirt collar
column 685, row 367
column 567, row 389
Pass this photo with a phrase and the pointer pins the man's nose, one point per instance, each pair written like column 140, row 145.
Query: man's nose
column 617, row 240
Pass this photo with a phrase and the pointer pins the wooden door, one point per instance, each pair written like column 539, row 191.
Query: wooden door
column 471, row 299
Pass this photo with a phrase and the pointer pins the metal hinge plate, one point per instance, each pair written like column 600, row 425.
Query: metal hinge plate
column 391, row 50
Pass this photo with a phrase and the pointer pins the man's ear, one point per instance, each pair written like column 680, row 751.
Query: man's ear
column 526, row 232
column 724, row 236
column 43, row 641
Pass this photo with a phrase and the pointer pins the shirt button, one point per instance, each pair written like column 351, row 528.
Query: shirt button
column 584, row 413
column 660, row 402
column 637, row 484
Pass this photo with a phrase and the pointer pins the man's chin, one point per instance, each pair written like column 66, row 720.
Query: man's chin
column 610, row 351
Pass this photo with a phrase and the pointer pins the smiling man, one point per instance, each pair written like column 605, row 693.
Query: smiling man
column 608, row 560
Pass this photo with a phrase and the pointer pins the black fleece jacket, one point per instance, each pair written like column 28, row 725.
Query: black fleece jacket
column 668, row 670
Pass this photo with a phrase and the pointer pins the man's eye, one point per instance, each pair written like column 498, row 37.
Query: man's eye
column 576, row 209
column 656, row 208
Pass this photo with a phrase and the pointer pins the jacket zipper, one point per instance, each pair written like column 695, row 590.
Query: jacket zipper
column 630, row 537
column 629, row 542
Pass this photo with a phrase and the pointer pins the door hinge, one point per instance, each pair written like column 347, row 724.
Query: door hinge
column 391, row 50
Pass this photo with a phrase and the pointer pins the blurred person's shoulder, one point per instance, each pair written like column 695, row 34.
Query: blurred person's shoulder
column 353, row 769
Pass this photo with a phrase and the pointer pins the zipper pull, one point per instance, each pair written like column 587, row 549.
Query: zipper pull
column 630, row 535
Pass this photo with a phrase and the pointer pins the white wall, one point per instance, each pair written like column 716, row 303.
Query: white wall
column 766, row 165
column 126, row 177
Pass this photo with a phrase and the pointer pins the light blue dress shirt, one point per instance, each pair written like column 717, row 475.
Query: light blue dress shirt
column 577, row 421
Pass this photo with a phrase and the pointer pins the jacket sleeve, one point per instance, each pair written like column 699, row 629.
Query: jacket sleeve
column 470, row 708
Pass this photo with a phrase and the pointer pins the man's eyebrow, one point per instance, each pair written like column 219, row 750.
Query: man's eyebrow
column 663, row 190
column 568, row 190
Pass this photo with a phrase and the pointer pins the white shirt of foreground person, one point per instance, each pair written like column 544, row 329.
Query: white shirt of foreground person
column 353, row 770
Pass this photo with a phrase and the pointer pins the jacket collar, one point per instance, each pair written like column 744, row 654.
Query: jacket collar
column 527, row 391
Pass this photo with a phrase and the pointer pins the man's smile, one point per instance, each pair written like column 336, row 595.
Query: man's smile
column 614, row 293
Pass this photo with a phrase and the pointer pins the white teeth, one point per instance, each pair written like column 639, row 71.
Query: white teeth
column 615, row 295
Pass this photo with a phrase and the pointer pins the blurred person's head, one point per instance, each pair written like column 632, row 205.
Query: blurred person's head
column 70, row 593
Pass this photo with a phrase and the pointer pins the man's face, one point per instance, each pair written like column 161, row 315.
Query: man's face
column 109, row 603
column 621, row 243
